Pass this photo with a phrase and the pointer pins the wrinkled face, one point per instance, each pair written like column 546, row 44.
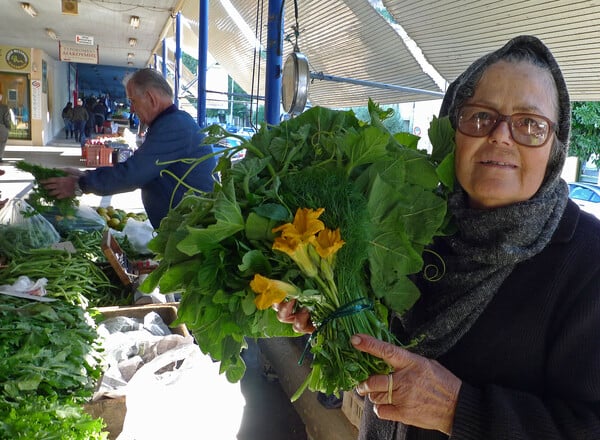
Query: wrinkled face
column 141, row 104
column 495, row 170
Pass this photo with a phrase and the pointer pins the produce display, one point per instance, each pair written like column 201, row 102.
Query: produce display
column 50, row 358
column 71, row 277
column 117, row 218
column 325, row 209
column 49, row 364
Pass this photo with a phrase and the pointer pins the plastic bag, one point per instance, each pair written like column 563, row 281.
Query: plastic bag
column 22, row 228
column 139, row 235
column 85, row 219
column 189, row 402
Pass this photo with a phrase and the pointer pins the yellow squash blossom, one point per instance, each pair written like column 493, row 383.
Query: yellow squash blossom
column 305, row 226
column 297, row 236
column 328, row 242
column 269, row 292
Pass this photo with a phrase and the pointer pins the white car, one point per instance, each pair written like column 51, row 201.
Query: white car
column 247, row 132
column 587, row 196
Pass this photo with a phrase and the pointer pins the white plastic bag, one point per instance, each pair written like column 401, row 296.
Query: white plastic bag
column 25, row 228
column 139, row 235
column 190, row 402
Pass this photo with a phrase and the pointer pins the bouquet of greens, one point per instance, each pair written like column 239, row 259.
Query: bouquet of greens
column 324, row 209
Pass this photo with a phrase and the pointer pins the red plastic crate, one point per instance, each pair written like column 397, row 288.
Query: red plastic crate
column 97, row 156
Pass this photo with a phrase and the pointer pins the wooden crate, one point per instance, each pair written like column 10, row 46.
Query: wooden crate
column 98, row 156
column 118, row 259
column 113, row 411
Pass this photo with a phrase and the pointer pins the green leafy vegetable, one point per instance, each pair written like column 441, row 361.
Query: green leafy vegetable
column 387, row 198
column 39, row 197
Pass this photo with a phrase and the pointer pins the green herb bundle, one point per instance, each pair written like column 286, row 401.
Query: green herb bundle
column 39, row 197
column 386, row 198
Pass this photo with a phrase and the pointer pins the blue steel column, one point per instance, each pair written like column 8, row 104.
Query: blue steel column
column 177, row 58
column 202, row 60
column 274, row 62
column 164, row 58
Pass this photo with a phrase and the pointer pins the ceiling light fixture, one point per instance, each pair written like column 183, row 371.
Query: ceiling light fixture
column 29, row 9
column 134, row 21
column 130, row 55
column 133, row 42
column 129, row 63
column 51, row 34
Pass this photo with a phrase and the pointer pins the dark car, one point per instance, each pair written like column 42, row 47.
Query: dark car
column 587, row 196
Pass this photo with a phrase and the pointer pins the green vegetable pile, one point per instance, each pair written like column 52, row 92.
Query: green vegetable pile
column 387, row 198
column 39, row 198
column 71, row 277
column 49, row 365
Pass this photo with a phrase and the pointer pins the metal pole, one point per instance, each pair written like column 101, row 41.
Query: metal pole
column 164, row 58
column 274, row 62
column 177, row 58
column 360, row 82
column 202, row 60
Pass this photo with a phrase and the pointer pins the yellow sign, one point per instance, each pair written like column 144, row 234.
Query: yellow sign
column 78, row 53
column 15, row 59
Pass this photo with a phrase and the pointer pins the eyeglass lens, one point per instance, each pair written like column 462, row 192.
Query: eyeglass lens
column 525, row 128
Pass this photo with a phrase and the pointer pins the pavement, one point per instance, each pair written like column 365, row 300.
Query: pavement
column 60, row 153
column 264, row 391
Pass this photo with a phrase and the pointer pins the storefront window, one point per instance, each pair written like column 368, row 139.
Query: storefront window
column 15, row 90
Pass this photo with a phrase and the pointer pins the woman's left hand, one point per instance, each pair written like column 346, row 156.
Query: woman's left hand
column 420, row 392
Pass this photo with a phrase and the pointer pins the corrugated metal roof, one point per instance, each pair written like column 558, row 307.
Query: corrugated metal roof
column 347, row 39
column 350, row 39
column 452, row 34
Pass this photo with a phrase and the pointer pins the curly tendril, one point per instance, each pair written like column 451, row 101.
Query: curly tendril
column 434, row 272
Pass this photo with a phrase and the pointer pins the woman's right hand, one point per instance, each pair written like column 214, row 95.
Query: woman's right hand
column 300, row 319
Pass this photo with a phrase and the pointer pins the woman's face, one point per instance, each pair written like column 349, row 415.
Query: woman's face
column 495, row 170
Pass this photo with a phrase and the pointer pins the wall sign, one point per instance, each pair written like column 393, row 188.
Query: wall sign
column 84, row 39
column 15, row 58
column 78, row 53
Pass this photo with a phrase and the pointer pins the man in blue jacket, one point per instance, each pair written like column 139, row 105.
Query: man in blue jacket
column 156, row 166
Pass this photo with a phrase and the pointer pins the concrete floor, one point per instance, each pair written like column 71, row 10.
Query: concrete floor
column 268, row 413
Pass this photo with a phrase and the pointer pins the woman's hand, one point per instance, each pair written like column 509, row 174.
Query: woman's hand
column 423, row 392
column 300, row 319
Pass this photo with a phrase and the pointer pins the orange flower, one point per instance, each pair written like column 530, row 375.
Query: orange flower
column 297, row 236
column 328, row 242
column 269, row 292
column 305, row 226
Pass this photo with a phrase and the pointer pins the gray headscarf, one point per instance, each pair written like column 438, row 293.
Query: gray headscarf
column 489, row 243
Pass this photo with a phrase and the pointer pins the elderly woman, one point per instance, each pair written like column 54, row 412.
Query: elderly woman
column 510, row 347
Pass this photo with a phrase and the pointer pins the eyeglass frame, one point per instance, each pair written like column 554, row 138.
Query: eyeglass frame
column 552, row 126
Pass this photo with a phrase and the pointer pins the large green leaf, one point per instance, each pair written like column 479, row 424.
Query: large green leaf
column 229, row 220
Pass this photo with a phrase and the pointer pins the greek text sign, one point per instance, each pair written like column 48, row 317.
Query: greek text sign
column 78, row 53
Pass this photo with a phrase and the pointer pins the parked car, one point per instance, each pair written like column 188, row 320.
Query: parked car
column 229, row 143
column 247, row 132
column 587, row 196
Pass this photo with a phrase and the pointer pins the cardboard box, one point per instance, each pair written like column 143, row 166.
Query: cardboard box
column 353, row 406
column 113, row 410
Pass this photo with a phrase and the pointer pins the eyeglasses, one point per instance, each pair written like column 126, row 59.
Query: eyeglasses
column 527, row 129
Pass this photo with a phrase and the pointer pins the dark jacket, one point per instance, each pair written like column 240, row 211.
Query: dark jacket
column 5, row 118
column 67, row 112
column 80, row 114
column 173, row 135
column 530, row 365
